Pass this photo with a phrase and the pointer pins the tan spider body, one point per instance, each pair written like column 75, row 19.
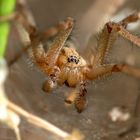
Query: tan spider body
column 63, row 65
column 71, row 66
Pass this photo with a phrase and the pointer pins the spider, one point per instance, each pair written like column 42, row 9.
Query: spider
column 62, row 64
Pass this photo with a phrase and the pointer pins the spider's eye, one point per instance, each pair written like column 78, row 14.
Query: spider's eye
column 73, row 59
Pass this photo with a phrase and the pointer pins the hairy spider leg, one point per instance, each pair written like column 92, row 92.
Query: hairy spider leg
column 111, row 30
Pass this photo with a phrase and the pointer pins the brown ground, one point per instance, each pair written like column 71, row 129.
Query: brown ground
column 23, row 85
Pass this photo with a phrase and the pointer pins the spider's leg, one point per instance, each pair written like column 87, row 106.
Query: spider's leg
column 49, row 59
column 80, row 101
column 25, row 26
column 119, row 29
column 130, row 19
column 53, row 31
column 25, row 17
column 27, row 20
column 45, row 61
column 110, row 33
column 108, row 69
column 105, row 42
column 29, row 35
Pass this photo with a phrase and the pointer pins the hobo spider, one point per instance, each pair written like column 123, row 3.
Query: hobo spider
column 62, row 64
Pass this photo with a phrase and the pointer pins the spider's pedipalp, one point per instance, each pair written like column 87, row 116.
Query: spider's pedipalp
column 80, row 101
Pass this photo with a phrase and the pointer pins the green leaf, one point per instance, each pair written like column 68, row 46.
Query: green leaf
column 6, row 8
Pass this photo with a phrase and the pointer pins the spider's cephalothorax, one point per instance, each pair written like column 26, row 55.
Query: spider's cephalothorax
column 63, row 65
column 71, row 66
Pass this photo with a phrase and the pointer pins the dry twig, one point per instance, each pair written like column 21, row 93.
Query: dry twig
column 43, row 124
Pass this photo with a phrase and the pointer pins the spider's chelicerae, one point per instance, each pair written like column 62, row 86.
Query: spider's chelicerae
column 62, row 64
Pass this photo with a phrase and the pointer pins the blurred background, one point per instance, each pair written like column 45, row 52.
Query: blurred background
column 24, row 82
